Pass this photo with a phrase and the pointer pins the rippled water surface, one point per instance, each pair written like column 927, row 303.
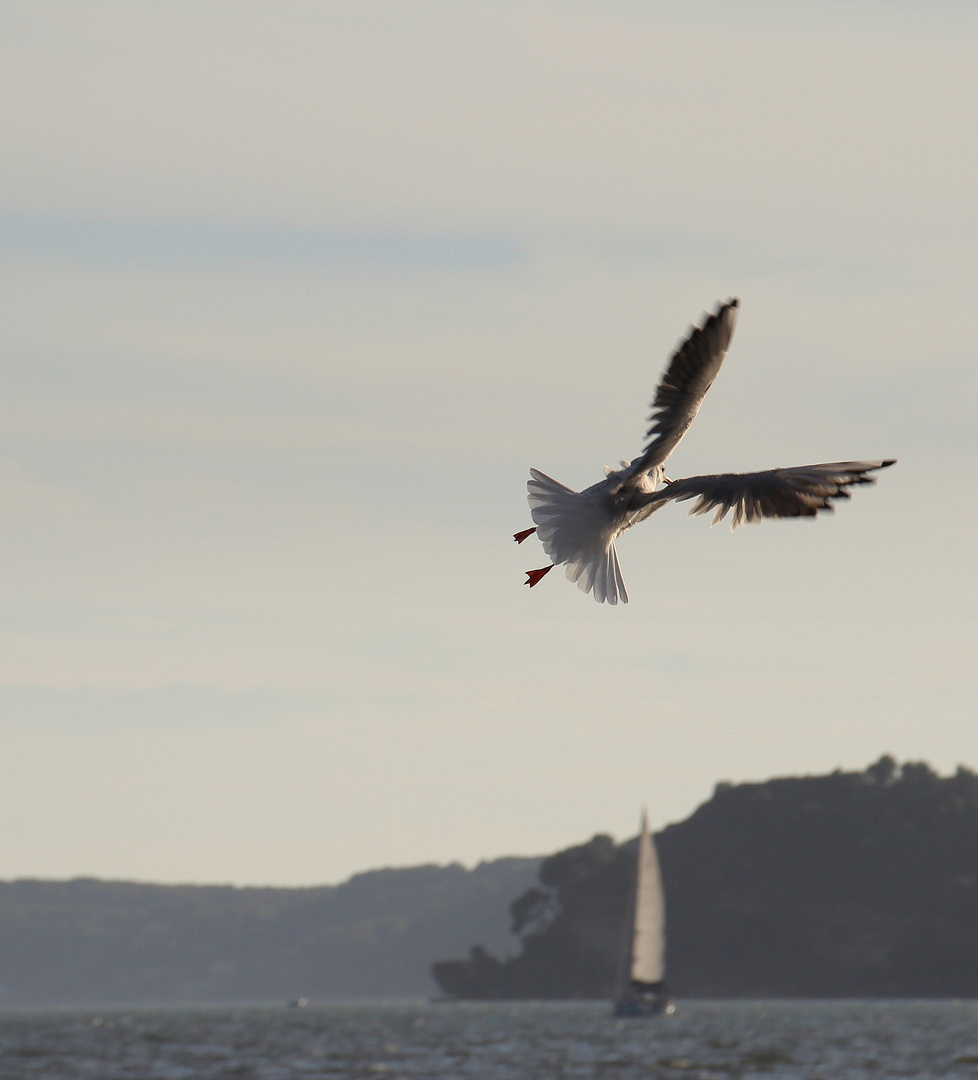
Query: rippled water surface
column 805, row 1040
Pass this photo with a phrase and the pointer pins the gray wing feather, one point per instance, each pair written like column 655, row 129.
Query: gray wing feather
column 690, row 373
column 776, row 493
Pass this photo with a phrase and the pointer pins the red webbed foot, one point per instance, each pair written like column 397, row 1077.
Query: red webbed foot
column 521, row 536
column 533, row 576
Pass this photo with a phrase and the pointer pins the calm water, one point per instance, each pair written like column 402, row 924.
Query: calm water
column 804, row 1040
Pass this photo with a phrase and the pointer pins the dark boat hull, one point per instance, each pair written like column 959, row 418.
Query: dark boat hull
column 656, row 1003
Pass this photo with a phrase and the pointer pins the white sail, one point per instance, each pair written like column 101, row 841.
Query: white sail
column 648, row 938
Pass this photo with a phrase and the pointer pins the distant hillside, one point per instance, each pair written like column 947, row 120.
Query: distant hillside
column 848, row 885
column 88, row 941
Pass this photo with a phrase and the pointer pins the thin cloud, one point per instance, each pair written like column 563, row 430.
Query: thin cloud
column 166, row 245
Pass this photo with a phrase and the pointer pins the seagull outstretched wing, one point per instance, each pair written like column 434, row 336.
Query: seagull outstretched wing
column 690, row 373
column 802, row 491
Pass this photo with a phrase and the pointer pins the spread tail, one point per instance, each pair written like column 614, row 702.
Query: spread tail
column 575, row 531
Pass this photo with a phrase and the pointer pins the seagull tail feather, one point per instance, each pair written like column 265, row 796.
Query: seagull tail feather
column 575, row 531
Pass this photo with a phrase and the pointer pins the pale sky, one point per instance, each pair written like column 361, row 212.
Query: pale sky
column 294, row 294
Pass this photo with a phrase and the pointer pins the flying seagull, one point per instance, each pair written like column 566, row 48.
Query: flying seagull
column 579, row 528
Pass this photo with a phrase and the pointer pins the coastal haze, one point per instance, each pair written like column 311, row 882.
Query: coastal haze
column 291, row 301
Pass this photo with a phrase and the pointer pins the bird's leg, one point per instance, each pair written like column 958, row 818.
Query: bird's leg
column 533, row 576
column 521, row 536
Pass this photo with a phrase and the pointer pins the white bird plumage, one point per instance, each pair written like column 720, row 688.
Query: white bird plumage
column 579, row 528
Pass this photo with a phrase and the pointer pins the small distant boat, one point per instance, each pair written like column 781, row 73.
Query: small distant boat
column 298, row 1003
column 642, row 987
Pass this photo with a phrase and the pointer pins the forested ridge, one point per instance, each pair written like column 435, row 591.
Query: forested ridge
column 88, row 941
column 855, row 884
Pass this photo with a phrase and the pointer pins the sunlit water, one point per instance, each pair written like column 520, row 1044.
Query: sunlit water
column 703, row 1040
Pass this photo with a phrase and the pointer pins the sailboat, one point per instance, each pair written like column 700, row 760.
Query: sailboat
column 642, row 987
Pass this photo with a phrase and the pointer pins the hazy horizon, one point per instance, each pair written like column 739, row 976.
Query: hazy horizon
column 293, row 299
